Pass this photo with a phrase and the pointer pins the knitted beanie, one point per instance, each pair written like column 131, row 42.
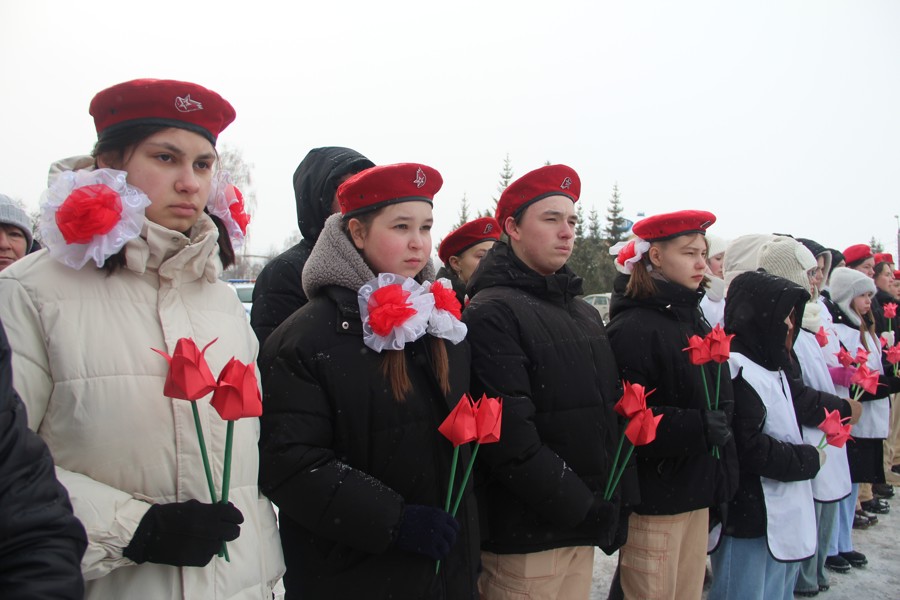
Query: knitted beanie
column 716, row 244
column 847, row 284
column 788, row 258
column 12, row 214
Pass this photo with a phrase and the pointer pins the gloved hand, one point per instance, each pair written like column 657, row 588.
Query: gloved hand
column 184, row 534
column 715, row 423
column 426, row 530
column 602, row 512
column 822, row 457
column 855, row 410
column 841, row 375
column 888, row 336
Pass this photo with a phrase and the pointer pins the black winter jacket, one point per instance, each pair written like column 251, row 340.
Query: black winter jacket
column 340, row 457
column 757, row 306
column 545, row 353
column 41, row 541
column 677, row 471
column 278, row 291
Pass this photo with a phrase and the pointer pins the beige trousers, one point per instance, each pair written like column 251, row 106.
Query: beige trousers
column 559, row 574
column 892, row 443
column 665, row 556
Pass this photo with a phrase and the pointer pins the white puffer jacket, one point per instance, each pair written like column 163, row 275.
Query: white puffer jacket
column 84, row 367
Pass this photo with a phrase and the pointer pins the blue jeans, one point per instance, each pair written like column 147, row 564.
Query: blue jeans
column 841, row 537
column 740, row 564
column 812, row 570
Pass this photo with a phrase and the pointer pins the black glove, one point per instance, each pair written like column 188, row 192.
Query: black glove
column 426, row 530
column 604, row 513
column 716, row 425
column 184, row 534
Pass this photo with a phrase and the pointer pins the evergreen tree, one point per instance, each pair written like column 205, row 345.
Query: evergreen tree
column 579, row 226
column 594, row 224
column 463, row 212
column 615, row 222
column 876, row 245
column 506, row 177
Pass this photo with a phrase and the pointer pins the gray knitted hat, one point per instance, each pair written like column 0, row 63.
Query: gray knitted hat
column 847, row 284
column 12, row 214
column 788, row 258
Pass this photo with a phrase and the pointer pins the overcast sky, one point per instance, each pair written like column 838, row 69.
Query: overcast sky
column 775, row 115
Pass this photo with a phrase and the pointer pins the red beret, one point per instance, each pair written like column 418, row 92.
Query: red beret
column 551, row 180
column 162, row 102
column 467, row 235
column 896, row 274
column 388, row 184
column 857, row 253
column 669, row 225
column 884, row 257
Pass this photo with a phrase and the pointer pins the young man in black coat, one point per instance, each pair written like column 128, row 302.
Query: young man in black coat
column 545, row 353
column 41, row 541
column 279, row 291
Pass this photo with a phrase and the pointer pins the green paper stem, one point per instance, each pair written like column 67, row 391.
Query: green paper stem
column 621, row 471
column 452, row 478
column 718, row 384
column 226, row 477
column 607, row 493
column 705, row 386
column 462, row 486
column 823, row 442
column 209, row 478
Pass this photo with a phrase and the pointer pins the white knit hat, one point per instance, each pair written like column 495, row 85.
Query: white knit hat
column 716, row 244
column 788, row 258
column 847, row 284
column 12, row 214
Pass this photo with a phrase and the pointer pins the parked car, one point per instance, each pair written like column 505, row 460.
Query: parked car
column 601, row 303
column 244, row 291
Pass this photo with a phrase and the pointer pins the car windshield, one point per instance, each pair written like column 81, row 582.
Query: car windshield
column 245, row 294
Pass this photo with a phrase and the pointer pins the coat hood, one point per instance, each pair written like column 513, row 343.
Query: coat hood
column 336, row 261
column 757, row 305
column 315, row 182
column 501, row 267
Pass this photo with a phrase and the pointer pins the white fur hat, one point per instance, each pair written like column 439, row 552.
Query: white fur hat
column 847, row 284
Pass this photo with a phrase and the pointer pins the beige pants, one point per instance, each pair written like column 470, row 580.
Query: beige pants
column 892, row 443
column 665, row 556
column 563, row 573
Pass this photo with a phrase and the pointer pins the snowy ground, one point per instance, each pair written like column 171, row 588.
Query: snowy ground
column 880, row 580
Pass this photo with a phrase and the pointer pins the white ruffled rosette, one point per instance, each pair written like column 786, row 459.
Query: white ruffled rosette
column 100, row 246
column 442, row 323
column 412, row 328
column 222, row 194
column 629, row 253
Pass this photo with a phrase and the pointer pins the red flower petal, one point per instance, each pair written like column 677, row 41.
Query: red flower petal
column 237, row 210
column 389, row 308
column 832, row 422
column 698, row 349
column 445, row 299
column 488, row 417
column 890, row 310
column 719, row 344
column 822, row 337
column 893, row 354
column 189, row 377
column 460, row 427
column 237, row 392
column 88, row 211
column 844, row 358
column 641, row 430
column 633, row 400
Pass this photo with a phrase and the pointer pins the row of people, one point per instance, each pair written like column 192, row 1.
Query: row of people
column 364, row 357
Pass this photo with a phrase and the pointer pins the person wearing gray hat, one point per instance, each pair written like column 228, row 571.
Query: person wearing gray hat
column 15, row 232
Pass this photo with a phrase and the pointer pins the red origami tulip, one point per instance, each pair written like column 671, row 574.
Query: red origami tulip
column 189, row 377
column 641, row 430
column 844, row 358
column 88, row 211
column 237, row 393
column 389, row 308
column 840, row 438
column 698, row 350
column 236, row 208
column 445, row 299
column 822, row 337
column 719, row 344
column 488, row 416
column 865, row 379
column 890, row 310
column 633, row 400
column 892, row 354
column 832, row 423
column 862, row 355
column 460, row 427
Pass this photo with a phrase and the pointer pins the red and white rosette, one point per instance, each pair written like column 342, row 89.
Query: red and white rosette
column 90, row 214
column 226, row 202
column 394, row 311
column 444, row 320
column 628, row 254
